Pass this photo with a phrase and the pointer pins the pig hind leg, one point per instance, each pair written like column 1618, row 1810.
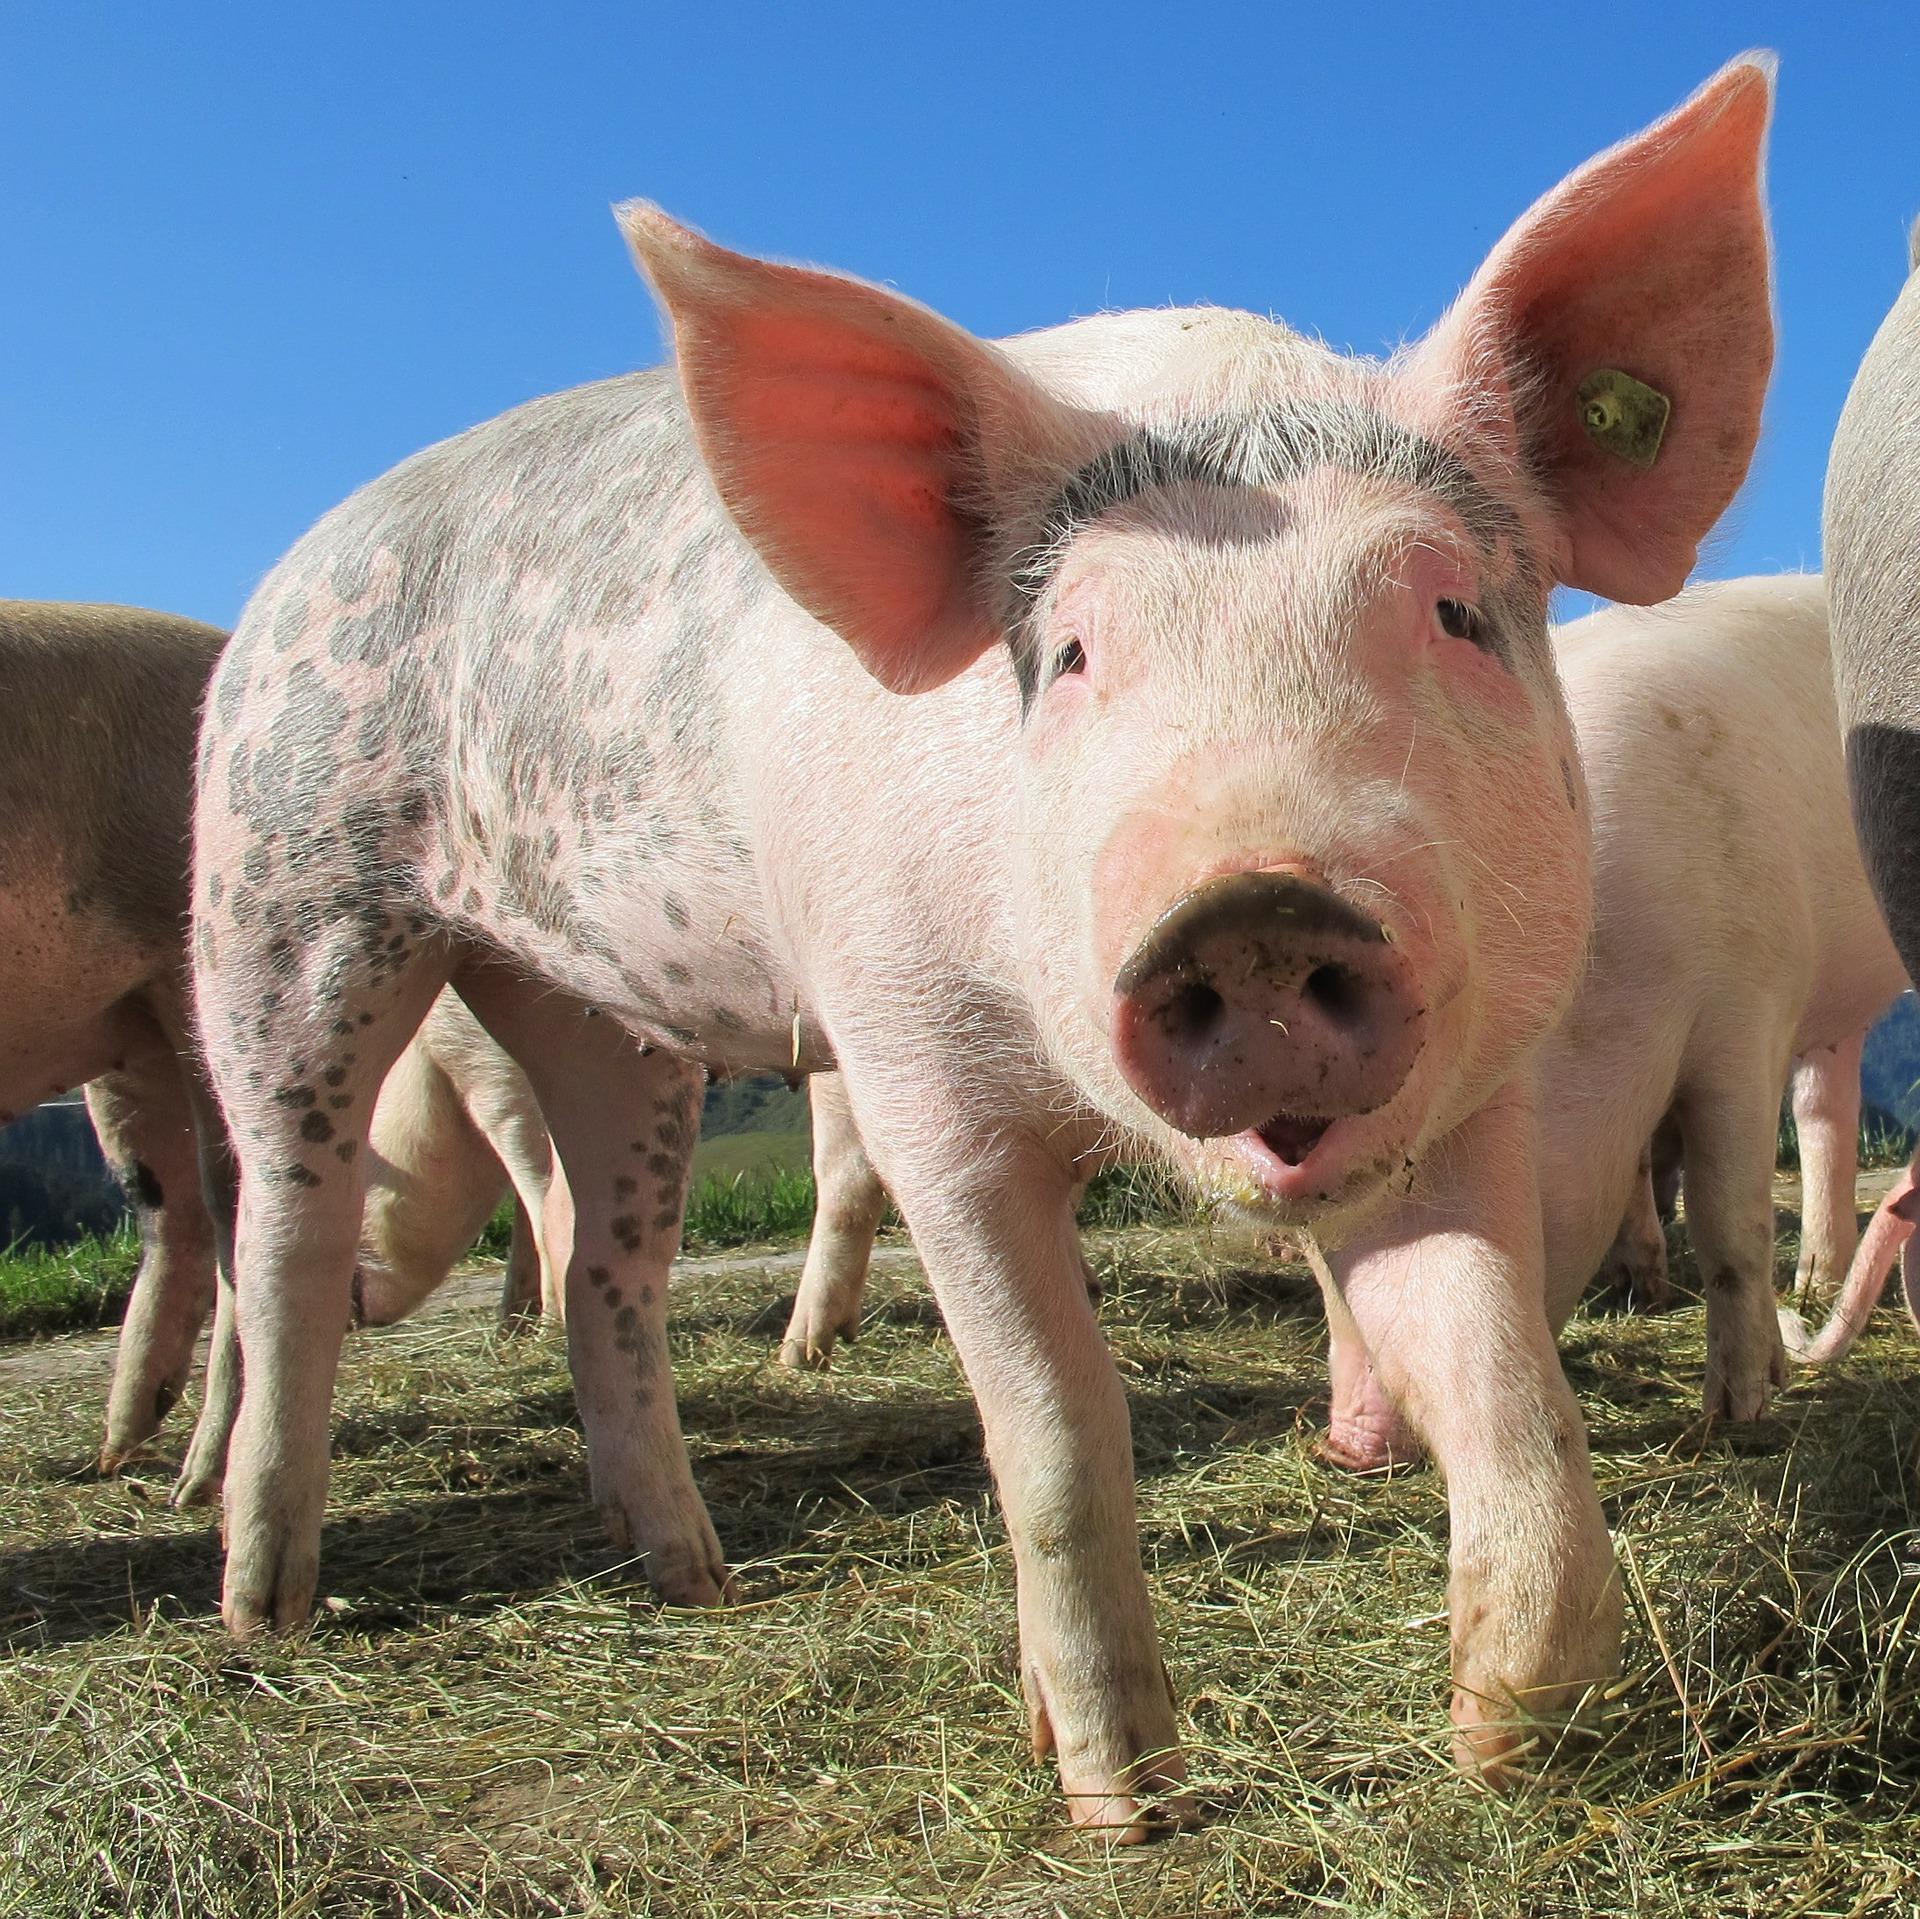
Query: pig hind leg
column 624, row 1121
column 1826, row 1116
column 511, row 1123
column 1730, row 1121
column 144, row 1116
column 1635, row 1269
column 849, row 1204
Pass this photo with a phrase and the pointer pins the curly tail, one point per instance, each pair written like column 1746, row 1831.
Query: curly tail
column 1889, row 1234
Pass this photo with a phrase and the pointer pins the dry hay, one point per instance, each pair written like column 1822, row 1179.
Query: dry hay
column 490, row 1718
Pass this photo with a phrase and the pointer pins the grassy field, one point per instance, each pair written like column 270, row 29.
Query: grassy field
column 490, row 1718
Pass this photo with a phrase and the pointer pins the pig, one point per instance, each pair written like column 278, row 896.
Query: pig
column 1824, row 1090
column 1708, row 732
column 1872, row 543
column 1872, row 540
column 1140, row 734
column 95, row 792
column 849, row 1203
column 103, row 706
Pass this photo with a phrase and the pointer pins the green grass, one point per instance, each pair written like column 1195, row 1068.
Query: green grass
column 726, row 1154
column 80, row 1285
column 491, row 1718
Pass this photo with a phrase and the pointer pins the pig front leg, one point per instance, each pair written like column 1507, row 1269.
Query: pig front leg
column 1447, row 1294
column 1826, row 1116
column 992, row 1217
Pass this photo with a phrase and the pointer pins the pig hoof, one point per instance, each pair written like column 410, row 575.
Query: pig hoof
column 807, row 1355
column 196, row 1486
column 1125, row 1799
column 1491, row 1747
column 1357, row 1448
column 279, row 1602
column 687, row 1577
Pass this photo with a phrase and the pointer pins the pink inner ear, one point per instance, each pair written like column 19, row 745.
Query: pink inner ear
column 1652, row 260
column 844, row 449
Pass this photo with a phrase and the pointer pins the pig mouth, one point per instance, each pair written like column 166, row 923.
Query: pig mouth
column 1291, row 1137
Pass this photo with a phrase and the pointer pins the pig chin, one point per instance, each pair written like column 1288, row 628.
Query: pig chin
column 1325, row 1172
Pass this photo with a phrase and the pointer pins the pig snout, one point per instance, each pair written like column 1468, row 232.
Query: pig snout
column 1263, row 1000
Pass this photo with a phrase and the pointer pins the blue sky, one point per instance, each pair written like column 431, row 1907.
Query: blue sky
column 255, row 254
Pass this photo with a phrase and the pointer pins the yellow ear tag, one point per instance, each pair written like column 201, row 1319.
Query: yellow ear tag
column 1625, row 415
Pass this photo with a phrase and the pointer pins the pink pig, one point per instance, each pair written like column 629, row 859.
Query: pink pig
column 1712, row 752
column 1137, row 734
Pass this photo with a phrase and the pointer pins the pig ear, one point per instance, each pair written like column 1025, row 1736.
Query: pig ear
column 845, row 430
column 1628, row 318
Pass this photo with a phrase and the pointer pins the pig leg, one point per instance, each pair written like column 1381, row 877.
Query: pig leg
column 1731, row 1124
column 299, row 1043
column 205, row 1465
column 1636, row 1264
column 847, row 1213
column 1448, row 1294
column 520, row 1288
column 992, row 1217
column 849, row 1205
column 144, row 1117
column 433, row 1184
column 624, row 1121
column 1826, row 1115
column 1366, row 1431
column 511, row 1122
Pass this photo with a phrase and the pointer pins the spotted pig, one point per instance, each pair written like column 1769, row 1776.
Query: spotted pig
column 1140, row 733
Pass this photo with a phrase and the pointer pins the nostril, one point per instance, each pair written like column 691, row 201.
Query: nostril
column 1338, row 991
column 1192, row 1012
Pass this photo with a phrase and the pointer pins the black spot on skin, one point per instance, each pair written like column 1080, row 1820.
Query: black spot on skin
column 661, row 1165
column 626, row 1319
column 366, row 1019
column 666, row 1219
column 626, row 1229
column 336, row 1075
column 612, row 1295
column 677, row 973
column 675, row 910
column 316, row 1127
column 470, row 900
column 298, row 1175
column 646, row 1295
column 145, row 1188
column 339, row 1102
column 625, row 1187
column 163, row 1401
column 295, row 1096
column 216, row 886
column 344, row 1152
column 598, row 1275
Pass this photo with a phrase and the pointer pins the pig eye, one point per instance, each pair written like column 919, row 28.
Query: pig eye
column 1459, row 621
column 1071, row 658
